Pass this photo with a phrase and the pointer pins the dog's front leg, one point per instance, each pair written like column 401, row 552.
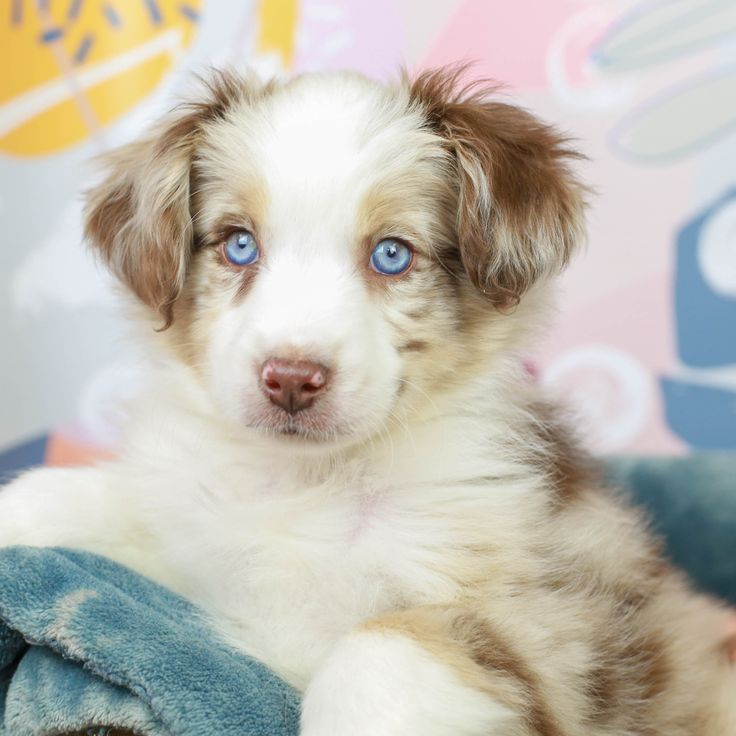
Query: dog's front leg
column 429, row 671
column 78, row 508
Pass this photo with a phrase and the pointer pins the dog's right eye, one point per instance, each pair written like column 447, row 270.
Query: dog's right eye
column 241, row 248
column 391, row 257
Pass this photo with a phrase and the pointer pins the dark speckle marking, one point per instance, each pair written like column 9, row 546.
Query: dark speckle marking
column 491, row 652
column 413, row 346
column 570, row 469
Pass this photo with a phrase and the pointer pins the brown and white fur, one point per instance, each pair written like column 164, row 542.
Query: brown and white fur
column 425, row 551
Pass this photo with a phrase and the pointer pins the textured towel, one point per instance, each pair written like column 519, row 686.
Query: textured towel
column 86, row 643
column 691, row 502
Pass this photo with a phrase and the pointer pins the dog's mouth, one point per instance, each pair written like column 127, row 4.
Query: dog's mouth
column 292, row 429
column 295, row 433
column 310, row 425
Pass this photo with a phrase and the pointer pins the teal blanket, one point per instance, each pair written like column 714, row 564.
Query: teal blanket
column 86, row 643
column 691, row 503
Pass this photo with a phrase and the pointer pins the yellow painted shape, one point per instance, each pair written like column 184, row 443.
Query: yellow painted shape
column 126, row 89
column 29, row 65
column 277, row 21
column 54, row 130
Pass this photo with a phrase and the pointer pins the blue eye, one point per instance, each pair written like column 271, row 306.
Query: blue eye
column 391, row 257
column 241, row 248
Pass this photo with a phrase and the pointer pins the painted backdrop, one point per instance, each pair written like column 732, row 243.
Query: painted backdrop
column 645, row 343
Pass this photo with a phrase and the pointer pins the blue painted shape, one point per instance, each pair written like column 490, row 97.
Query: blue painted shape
column 53, row 34
column 705, row 320
column 16, row 17
column 74, row 7
column 189, row 12
column 22, row 457
column 154, row 11
column 83, row 49
column 644, row 37
column 702, row 416
column 112, row 16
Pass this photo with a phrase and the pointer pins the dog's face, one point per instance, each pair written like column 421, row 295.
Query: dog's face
column 331, row 256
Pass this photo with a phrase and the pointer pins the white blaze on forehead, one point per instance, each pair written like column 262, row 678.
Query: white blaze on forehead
column 317, row 146
column 316, row 133
column 315, row 157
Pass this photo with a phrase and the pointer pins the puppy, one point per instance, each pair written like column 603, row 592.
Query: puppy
column 339, row 457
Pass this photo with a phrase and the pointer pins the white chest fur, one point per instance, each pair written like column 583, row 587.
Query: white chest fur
column 286, row 557
column 285, row 577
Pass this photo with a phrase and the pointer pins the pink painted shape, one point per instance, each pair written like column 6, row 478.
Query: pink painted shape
column 636, row 319
column 369, row 38
column 579, row 50
column 62, row 451
column 508, row 40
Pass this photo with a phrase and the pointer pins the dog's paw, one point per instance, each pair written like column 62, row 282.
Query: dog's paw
column 377, row 684
column 47, row 506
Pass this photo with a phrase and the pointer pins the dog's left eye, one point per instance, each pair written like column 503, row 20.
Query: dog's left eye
column 391, row 257
column 241, row 248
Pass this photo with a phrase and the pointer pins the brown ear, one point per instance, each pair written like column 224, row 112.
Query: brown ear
column 139, row 217
column 520, row 208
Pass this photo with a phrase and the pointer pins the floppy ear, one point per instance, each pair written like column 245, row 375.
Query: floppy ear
column 138, row 219
column 520, row 208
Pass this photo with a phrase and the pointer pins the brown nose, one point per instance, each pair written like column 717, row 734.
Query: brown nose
column 293, row 384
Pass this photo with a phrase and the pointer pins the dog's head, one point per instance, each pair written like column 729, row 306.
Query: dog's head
column 330, row 256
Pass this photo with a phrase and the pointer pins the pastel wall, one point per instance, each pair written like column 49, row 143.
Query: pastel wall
column 644, row 346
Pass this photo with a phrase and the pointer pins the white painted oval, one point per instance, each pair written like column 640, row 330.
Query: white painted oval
column 608, row 389
column 717, row 250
